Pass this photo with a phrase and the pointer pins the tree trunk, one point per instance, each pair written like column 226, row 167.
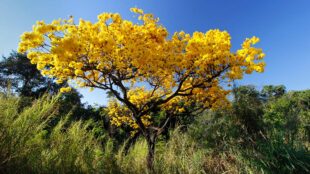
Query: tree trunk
column 151, row 140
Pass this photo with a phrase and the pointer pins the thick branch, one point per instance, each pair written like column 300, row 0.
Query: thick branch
column 125, row 100
column 160, row 101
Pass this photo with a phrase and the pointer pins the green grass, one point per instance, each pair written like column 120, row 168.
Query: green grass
column 36, row 139
column 28, row 144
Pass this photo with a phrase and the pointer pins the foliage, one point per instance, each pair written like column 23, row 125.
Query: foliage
column 271, row 92
column 290, row 116
column 280, row 157
column 216, row 142
column 248, row 109
column 22, row 77
column 119, row 56
column 19, row 77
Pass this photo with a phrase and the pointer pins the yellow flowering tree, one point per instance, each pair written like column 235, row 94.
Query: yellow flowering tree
column 121, row 56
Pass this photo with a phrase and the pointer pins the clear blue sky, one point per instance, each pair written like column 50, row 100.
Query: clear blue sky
column 282, row 25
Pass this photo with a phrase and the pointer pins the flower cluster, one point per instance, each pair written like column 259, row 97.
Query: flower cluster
column 120, row 115
column 114, row 51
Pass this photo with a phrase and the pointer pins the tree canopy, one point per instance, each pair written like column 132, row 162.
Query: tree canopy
column 144, row 67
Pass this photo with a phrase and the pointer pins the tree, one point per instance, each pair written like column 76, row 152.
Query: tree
column 143, row 68
column 289, row 116
column 17, row 73
column 248, row 109
column 24, row 79
column 273, row 92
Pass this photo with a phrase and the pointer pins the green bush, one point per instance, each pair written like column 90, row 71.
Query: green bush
column 289, row 116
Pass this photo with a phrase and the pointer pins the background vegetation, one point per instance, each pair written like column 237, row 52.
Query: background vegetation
column 266, row 131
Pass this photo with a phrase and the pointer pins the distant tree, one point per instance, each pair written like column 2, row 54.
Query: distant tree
column 23, row 78
column 273, row 92
column 247, row 105
column 290, row 115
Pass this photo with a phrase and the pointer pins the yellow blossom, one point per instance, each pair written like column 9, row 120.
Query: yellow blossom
column 65, row 89
column 178, row 70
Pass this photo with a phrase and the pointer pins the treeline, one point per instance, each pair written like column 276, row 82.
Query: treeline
column 41, row 131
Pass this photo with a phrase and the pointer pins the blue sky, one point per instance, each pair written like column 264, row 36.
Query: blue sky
column 282, row 25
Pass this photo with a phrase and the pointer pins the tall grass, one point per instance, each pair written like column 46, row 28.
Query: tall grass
column 37, row 139
column 134, row 161
column 22, row 133
column 178, row 155
column 183, row 154
column 29, row 145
